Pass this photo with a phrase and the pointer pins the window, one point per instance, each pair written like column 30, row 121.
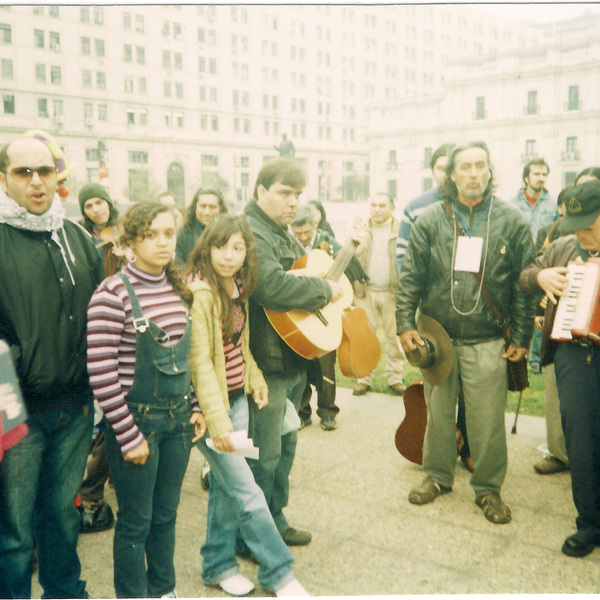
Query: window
column 214, row 123
column 532, row 107
column 139, row 186
column 7, row 68
column 179, row 119
column 42, row 107
column 212, row 37
column 166, row 59
column 392, row 188
column 128, row 85
column 98, row 15
column 130, row 117
column 138, row 157
column 201, row 35
column 101, row 80
column 38, row 38
column 85, row 45
column 127, row 53
column 202, row 65
column 141, row 85
column 142, row 116
column 86, row 78
column 529, row 149
column 99, row 47
column 212, row 66
column 88, row 112
column 571, row 144
column 178, row 90
column 480, row 107
column 53, row 11
column 84, row 14
column 54, row 41
column 127, row 21
column 177, row 31
column 392, row 159
column 40, row 73
column 92, row 155
column 139, row 23
column 38, row 10
column 167, row 89
column 210, row 160
column 573, row 103
column 55, row 75
column 140, row 54
column 9, row 104
column 178, row 60
column 166, row 28
column 102, row 112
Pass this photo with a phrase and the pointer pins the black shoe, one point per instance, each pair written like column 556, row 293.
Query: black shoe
column 575, row 546
column 304, row 423
column 99, row 518
column 328, row 424
column 295, row 537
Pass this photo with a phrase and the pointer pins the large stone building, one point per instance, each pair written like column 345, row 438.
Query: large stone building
column 153, row 97
column 525, row 103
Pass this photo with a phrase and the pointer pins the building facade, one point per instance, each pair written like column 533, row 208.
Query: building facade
column 148, row 98
column 524, row 103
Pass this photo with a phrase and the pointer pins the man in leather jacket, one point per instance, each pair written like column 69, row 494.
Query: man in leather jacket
column 471, row 232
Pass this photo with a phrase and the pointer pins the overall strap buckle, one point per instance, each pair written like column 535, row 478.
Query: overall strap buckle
column 141, row 324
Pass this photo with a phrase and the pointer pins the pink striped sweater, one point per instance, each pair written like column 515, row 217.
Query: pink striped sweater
column 111, row 342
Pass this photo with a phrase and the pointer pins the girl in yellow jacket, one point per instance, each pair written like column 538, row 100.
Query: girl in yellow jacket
column 222, row 274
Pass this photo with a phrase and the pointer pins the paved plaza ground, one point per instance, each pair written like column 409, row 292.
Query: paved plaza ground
column 349, row 487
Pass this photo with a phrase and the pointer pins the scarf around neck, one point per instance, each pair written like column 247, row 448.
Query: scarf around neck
column 17, row 216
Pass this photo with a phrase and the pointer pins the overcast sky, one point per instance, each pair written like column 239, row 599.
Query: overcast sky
column 537, row 12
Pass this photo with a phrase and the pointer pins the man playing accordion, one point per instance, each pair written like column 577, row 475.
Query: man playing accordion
column 576, row 360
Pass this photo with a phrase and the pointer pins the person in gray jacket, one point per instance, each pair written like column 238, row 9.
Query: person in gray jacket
column 472, row 232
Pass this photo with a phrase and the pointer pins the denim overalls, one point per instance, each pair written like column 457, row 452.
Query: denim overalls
column 148, row 495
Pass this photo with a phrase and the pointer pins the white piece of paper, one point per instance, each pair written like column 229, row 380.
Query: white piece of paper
column 468, row 254
column 244, row 446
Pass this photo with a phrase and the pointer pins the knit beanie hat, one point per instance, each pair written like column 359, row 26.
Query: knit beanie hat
column 93, row 190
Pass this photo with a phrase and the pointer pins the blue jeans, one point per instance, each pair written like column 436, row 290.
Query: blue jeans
column 272, row 470
column 39, row 479
column 236, row 502
column 148, row 497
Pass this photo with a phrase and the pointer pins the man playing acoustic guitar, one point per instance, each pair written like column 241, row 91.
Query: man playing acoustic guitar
column 276, row 195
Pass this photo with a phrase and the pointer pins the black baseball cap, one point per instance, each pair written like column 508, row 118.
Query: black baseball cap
column 583, row 207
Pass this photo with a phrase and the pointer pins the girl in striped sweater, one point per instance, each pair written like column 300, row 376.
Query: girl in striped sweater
column 222, row 274
column 138, row 362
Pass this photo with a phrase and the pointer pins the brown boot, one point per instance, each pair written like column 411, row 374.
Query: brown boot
column 360, row 389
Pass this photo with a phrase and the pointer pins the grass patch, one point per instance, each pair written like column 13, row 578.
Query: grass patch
column 532, row 402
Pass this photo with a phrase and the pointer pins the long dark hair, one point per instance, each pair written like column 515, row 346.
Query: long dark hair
column 113, row 218
column 199, row 265
column 190, row 213
column 136, row 222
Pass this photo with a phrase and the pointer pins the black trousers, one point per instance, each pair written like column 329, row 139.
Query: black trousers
column 578, row 379
column 325, row 385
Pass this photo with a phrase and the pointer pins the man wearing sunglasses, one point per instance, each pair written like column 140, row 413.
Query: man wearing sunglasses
column 49, row 269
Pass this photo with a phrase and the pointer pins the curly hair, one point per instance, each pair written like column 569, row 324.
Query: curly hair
column 136, row 222
column 199, row 265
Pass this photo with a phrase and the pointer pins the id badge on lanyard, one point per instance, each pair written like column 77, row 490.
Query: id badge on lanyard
column 468, row 254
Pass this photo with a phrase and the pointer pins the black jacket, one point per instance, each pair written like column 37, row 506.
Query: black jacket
column 279, row 291
column 186, row 240
column 427, row 275
column 43, row 315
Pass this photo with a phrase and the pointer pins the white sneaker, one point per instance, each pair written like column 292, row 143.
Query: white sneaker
column 293, row 588
column 171, row 594
column 236, row 585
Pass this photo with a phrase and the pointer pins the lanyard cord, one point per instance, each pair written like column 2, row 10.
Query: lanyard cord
column 454, row 246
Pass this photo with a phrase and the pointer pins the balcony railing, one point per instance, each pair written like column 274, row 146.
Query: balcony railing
column 570, row 156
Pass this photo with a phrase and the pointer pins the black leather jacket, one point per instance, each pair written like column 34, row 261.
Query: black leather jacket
column 427, row 275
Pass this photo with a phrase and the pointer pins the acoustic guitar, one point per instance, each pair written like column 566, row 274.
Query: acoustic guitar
column 314, row 334
column 410, row 435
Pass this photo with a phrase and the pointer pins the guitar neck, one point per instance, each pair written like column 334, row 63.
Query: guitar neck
column 341, row 261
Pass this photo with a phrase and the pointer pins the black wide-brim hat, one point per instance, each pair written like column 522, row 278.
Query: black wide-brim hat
column 436, row 358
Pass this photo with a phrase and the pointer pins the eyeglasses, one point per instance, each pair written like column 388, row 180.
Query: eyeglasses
column 26, row 173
